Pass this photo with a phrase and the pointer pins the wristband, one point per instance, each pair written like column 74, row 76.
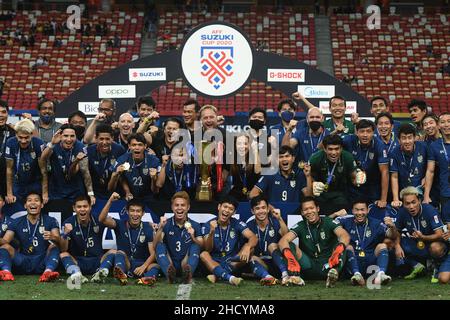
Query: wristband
column 90, row 193
column 50, row 145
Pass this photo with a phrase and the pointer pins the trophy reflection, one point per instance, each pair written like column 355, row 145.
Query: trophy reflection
column 204, row 189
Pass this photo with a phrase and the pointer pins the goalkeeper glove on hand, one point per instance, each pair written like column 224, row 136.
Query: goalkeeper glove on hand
column 293, row 265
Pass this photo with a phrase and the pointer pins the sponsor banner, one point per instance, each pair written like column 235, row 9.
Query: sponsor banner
column 216, row 60
column 88, row 108
column 316, row 91
column 147, row 74
column 285, row 75
column 324, row 106
column 117, row 91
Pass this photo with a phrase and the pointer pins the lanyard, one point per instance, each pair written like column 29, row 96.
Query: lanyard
column 316, row 243
column 417, row 227
column 133, row 246
column 318, row 141
column 445, row 151
column 179, row 182
column 264, row 245
column 364, row 234
column 222, row 242
column 391, row 142
column 363, row 164
column 99, row 158
column 32, row 236
column 138, row 165
column 330, row 174
column 85, row 240
column 5, row 136
column 411, row 173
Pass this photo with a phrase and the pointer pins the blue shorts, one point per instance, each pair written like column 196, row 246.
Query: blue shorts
column 225, row 262
column 409, row 246
column 364, row 262
column 88, row 265
column 28, row 264
column 445, row 265
column 134, row 263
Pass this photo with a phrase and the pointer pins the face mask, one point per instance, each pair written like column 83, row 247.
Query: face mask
column 46, row 119
column 256, row 124
column 79, row 132
column 287, row 116
column 315, row 125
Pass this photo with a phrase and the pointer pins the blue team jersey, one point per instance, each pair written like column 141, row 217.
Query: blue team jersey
column 281, row 189
column 227, row 242
column 85, row 240
column 99, row 168
column 31, row 237
column 365, row 236
column 4, row 224
column 138, row 176
column 282, row 131
column 26, row 172
column 395, row 130
column 271, row 234
column 179, row 180
column 60, row 186
column 134, row 241
column 426, row 222
column 177, row 240
column 391, row 145
column 410, row 168
column 307, row 142
column 439, row 152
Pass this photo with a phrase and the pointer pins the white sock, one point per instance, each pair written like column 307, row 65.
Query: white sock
column 284, row 274
column 231, row 279
column 106, row 271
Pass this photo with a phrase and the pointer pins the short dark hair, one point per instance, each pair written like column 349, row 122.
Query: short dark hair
column 34, row 192
column 82, row 198
column 44, row 100
column 432, row 116
column 364, row 123
column 139, row 137
column 308, row 199
column 384, row 114
column 256, row 110
column 229, row 199
column 422, row 105
column 290, row 102
column 79, row 114
column 148, row 100
column 67, row 126
column 256, row 200
column 407, row 128
column 174, row 119
column 337, row 97
column 445, row 113
column 360, row 200
column 194, row 102
column 4, row 104
column 288, row 149
column 378, row 98
column 103, row 128
column 332, row 139
column 135, row 202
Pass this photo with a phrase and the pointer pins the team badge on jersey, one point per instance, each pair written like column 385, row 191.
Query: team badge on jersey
column 423, row 223
column 292, row 183
column 340, row 169
column 419, row 158
column 368, row 233
column 322, row 235
column 96, row 229
column 271, row 233
column 41, row 229
column 4, row 227
column 371, row 155
column 142, row 238
column 232, row 234
column 145, row 171
column 33, row 155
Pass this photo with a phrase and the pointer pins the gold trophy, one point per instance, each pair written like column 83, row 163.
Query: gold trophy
column 204, row 189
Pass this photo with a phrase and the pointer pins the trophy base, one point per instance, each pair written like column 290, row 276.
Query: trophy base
column 204, row 194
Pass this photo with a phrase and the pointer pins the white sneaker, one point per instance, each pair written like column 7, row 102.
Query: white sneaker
column 100, row 276
column 297, row 281
column 76, row 277
column 235, row 280
column 332, row 278
column 382, row 278
column 357, row 280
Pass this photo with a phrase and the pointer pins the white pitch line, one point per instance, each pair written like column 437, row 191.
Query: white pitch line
column 184, row 291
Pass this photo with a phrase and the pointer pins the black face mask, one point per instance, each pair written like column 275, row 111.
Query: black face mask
column 79, row 132
column 256, row 124
column 315, row 125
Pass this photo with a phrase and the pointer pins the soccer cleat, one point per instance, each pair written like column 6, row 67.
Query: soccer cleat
column 211, row 278
column 235, row 280
column 187, row 274
column 121, row 276
column 332, row 278
column 171, row 274
column 417, row 271
column 285, row 281
column 6, row 275
column 100, row 276
column 297, row 281
column 268, row 281
column 382, row 278
column 146, row 281
column 49, row 276
column 76, row 277
column 358, row 280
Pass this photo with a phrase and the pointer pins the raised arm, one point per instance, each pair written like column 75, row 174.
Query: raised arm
column 103, row 217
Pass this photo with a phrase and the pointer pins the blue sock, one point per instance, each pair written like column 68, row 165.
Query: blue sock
column 221, row 273
column 258, row 269
column 153, row 272
column 52, row 259
column 383, row 260
column 354, row 267
column 69, row 265
column 161, row 257
column 194, row 256
column 107, row 262
column 119, row 261
column 279, row 261
column 5, row 260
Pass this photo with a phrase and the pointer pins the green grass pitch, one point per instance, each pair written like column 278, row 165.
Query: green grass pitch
column 28, row 288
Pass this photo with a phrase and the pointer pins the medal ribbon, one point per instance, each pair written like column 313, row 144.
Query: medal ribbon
column 133, row 246
column 222, row 242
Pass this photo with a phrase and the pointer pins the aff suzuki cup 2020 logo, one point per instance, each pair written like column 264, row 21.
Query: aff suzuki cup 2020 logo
column 216, row 59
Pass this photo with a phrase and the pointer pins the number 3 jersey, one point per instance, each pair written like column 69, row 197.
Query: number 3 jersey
column 177, row 239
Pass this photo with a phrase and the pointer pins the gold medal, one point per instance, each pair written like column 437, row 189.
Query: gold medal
column 85, row 253
column 325, row 188
column 30, row 249
column 301, row 165
column 244, row 190
column 223, row 253
column 362, row 254
column 421, row 245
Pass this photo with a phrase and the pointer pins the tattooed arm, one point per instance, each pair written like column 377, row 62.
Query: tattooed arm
column 84, row 168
